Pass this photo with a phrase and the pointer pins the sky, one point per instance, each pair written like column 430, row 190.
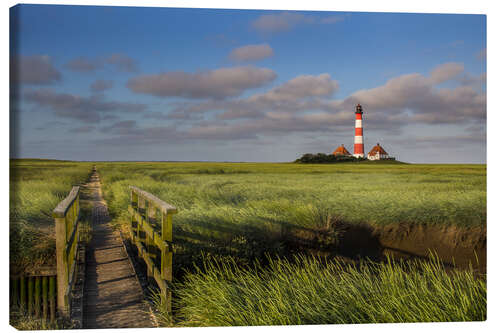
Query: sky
column 180, row 84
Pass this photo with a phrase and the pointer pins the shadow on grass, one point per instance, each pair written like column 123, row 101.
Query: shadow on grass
column 249, row 243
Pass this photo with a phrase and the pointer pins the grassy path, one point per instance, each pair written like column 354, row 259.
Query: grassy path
column 113, row 296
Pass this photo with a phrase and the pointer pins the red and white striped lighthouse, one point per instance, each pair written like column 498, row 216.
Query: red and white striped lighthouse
column 359, row 147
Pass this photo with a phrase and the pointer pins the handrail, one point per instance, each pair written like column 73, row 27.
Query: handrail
column 149, row 212
column 66, row 215
column 63, row 206
column 162, row 205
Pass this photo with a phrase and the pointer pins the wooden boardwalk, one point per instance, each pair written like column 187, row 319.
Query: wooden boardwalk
column 112, row 294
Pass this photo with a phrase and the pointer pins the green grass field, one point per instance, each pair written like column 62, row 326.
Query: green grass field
column 36, row 187
column 235, row 220
column 303, row 194
column 239, row 212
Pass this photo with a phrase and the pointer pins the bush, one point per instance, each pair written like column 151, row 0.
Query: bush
column 330, row 158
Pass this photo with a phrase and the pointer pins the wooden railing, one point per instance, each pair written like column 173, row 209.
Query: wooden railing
column 66, row 216
column 35, row 294
column 151, row 233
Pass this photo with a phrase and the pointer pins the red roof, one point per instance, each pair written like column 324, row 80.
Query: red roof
column 377, row 149
column 341, row 151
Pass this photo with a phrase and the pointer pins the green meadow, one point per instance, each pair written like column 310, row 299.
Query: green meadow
column 36, row 187
column 235, row 261
column 234, row 235
column 304, row 195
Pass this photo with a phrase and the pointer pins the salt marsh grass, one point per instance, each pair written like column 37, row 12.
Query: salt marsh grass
column 241, row 230
column 36, row 187
column 234, row 217
column 298, row 194
column 312, row 291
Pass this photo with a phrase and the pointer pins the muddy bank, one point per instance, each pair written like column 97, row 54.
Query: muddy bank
column 455, row 246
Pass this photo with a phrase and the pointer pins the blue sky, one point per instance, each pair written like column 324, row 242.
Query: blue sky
column 131, row 83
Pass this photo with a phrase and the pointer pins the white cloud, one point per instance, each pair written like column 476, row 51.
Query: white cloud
column 219, row 83
column 445, row 72
column 284, row 21
column 251, row 53
column 278, row 22
column 417, row 95
column 302, row 86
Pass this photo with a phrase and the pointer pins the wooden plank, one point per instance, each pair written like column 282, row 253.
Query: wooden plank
column 62, row 266
column 166, row 265
column 37, row 296
column 45, row 297
column 113, row 295
column 71, row 238
column 162, row 205
column 147, row 228
column 166, row 228
column 52, row 298
column 30, row 295
column 22, row 293
column 63, row 206
column 42, row 271
column 167, row 258
column 15, row 292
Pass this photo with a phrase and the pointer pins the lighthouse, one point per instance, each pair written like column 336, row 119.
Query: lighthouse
column 359, row 148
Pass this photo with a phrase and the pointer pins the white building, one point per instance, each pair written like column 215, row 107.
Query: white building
column 378, row 153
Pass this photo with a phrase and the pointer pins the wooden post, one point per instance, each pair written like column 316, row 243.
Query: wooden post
column 37, row 296
column 52, row 298
column 133, row 204
column 22, row 302
column 62, row 266
column 139, row 204
column 150, row 218
column 147, row 245
column 15, row 292
column 30, row 295
column 132, row 229
column 45, row 292
column 166, row 256
column 77, row 203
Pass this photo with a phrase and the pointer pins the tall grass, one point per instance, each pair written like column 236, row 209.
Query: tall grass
column 377, row 194
column 312, row 291
column 25, row 322
column 232, row 215
column 248, row 209
column 36, row 187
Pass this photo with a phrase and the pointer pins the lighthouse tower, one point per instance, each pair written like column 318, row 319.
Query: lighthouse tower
column 359, row 148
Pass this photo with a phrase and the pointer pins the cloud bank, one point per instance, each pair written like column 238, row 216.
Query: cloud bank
column 217, row 84
column 304, row 104
column 119, row 61
column 86, row 109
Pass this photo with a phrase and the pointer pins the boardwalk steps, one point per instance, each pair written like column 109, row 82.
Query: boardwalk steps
column 113, row 296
